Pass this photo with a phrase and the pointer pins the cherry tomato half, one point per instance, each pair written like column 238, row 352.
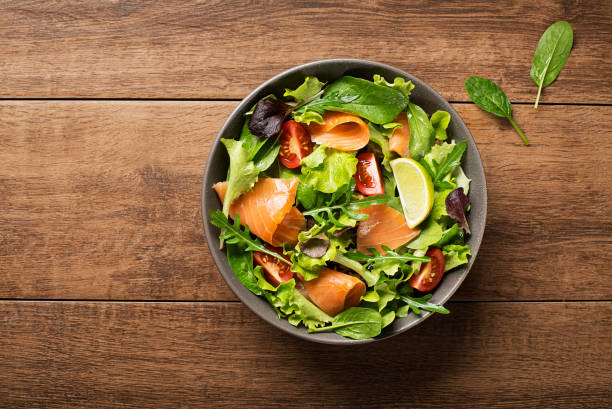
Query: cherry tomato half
column 295, row 144
column 367, row 178
column 431, row 272
column 275, row 271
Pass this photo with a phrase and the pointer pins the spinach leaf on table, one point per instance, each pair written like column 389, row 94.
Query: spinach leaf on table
column 355, row 323
column 551, row 55
column 490, row 97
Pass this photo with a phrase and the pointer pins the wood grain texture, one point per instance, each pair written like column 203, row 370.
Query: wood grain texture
column 224, row 49
column 101, row 200
column 135, row 355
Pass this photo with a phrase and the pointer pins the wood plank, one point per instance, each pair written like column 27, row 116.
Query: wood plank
column 179, row 49
column 101, row 200
column 135, row 355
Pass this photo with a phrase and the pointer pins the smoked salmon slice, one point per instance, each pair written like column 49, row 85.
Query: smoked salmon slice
column 400, row 140
column 384, row 226
column 333, row 291
column 265, row 207
column 342, row 131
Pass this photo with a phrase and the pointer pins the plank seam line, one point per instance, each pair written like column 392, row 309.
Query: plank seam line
column 237, row 301
column 8, row 99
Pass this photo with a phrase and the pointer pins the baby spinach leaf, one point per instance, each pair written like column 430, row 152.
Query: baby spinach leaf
column 376, row 103
column 422, row 133
column 551, row 55
column 241, row 263
column 490, row 97
column 355, row 323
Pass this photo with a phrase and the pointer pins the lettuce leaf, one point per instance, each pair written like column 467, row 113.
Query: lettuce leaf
column 290, row 303
column 328, row 173
column 431, row 233
column 399, row 84
column 382, row 140
column 309, row 88
column 440, row 120
column 461, row 179
column 439, row 207
column 455, row 255
column 306, row 116
column 242, row 173
column 310, row 267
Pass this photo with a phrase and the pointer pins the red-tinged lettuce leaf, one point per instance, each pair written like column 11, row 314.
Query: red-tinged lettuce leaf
column 456, row 202
column 268, row 117
column 315, row 247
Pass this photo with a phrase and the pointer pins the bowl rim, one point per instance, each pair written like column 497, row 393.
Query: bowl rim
column 238, row 288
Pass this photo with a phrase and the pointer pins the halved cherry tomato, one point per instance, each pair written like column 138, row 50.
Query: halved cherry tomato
column 295, row 144
column 275, row 271
column 431, row 272
column 367, row 178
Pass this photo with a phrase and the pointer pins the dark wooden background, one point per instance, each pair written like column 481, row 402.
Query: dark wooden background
column 109, row 297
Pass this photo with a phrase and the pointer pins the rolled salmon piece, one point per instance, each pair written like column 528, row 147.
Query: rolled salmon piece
column 268, row 210
column 385, row 226
column 334, row 292
column 400, row 140
column 345, row 132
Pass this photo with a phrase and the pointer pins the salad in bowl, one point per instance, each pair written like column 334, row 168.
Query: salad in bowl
column 344, row 205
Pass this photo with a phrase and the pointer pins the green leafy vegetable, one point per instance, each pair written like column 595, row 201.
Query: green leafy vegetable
column 382, row 140
column 355, row 323
column 422, row 133
column 439, row 171
column 440, row 120
column 241, row 263
column 289, row 302
column 422, row 303
column 455, row 255
column 306, row 116
column 326, row 172
column 439, row 207
column 242, row 172
column 488, row 96
column 376, row 103
column 308, row 266
column 399, row 84
column 551, row 55
column 461, row 179
column 430, row 234
column 448, row 235
column 235, row 234
column 349, row 209
column 370, row 277
column 309, row 88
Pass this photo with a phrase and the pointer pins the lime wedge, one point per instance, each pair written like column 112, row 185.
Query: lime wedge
column 415, row 189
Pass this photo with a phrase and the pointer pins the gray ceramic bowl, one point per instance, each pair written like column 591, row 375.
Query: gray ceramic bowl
column 330, row 70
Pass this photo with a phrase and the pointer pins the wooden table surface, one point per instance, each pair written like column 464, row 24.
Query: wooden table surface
column 109, row 297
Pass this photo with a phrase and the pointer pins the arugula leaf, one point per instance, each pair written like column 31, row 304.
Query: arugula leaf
column 309, row 88
column 455, row 255
column 551, row 55
column 290, row 303
column 348, row 209
column 355, row 323
column 399, row 84
column 440, row 120
column 328, row 169
column 370, row 277
column 490, row 97
column 416, row 304
column 439, row 171
column 389, row 256
column 234, row 234
column 376, row 103
column 422, row 133
column 242, row 173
